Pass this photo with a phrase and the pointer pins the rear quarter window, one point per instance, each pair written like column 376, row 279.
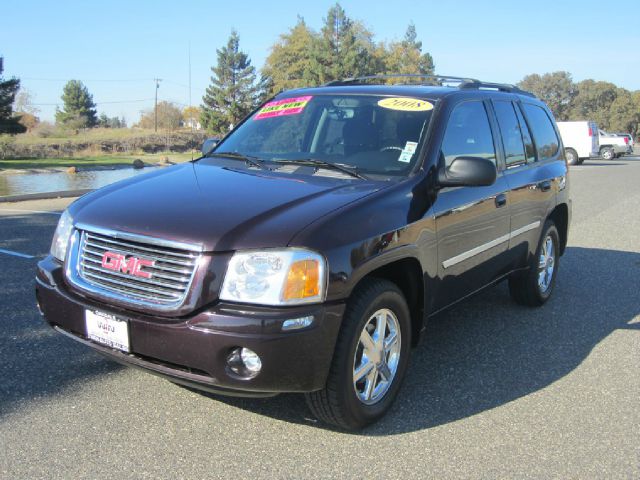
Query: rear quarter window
column 544, row 135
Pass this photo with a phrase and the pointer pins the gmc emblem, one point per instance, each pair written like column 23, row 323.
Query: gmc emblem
column 131, row 265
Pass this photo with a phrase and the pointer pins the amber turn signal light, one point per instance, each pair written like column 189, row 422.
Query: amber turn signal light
column 303, row 280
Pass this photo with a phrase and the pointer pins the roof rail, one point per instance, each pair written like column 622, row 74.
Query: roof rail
column 463, row 82
column 501, row 87
column 435, row 78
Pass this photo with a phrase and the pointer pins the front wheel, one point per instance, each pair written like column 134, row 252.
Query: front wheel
column 370, row 360
column 533, row 287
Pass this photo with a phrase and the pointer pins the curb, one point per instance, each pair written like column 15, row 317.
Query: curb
column 44, row 195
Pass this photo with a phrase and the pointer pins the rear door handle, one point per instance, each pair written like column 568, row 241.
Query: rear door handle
column 501, row 200
column 544, row 186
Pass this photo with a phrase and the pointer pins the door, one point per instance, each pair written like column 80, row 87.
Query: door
column 535, row 169
column 472, row 223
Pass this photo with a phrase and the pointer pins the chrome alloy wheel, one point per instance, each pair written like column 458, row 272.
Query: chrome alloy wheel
column 546, row 264
column 377, row 356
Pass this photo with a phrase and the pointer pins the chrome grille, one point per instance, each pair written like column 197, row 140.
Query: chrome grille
column 170, row 275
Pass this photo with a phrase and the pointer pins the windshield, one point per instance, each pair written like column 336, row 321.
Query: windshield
column 373, row 134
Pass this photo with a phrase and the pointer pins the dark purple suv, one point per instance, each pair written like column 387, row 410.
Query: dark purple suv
column 307, row 249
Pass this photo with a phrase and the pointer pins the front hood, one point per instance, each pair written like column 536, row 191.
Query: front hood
column 220, row 208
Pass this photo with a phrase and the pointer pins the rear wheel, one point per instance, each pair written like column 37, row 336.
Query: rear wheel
column 607, row 153
column 572, row 156
column 370, row 359
column 534, row 286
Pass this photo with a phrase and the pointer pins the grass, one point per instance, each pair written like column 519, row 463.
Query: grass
column 93, row 161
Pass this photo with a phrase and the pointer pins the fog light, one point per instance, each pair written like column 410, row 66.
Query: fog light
column 244, row 362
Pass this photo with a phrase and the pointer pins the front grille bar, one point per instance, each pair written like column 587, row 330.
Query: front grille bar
column 171, row 274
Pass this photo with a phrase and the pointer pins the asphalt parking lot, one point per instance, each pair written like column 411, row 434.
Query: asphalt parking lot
column 494, row 391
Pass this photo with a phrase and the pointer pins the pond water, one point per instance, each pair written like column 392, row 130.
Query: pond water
column 23, row 183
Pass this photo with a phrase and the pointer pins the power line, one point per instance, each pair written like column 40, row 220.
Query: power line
column 86, row 80
column 97, row 103
column 103, row 80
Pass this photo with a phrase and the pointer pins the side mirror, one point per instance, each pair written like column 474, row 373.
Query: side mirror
column 208, row 145
column 468, row 172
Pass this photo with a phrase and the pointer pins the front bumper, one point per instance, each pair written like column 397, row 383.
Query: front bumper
column 192, row 350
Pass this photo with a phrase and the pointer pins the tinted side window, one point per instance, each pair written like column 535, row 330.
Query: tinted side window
column 511, row 136
column 468, row 133
column 530, row 152
column 544, row 134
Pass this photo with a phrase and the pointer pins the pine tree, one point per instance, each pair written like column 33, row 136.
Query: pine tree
column 344, row 49
column 8, row 89
column 407, row 57
column 233, row 92
column 79, row 111
column 289, row 63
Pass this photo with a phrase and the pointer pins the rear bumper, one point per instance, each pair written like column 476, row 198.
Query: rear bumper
column 193, row 350
column 620, row 148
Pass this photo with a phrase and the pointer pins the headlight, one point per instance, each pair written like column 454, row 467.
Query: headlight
column 275, row 277
column 62, row 236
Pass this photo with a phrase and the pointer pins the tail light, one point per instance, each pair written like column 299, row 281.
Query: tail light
column 626, row 140
column 590, row 132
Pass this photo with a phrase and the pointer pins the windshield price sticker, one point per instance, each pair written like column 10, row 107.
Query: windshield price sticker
column 407, row 152
column 279, row 108
column 405, row 104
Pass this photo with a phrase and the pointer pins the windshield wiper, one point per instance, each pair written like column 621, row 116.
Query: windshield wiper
column 312, row 162
column 251, row 160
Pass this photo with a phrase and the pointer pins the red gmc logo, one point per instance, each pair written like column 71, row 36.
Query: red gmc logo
column 131, row 265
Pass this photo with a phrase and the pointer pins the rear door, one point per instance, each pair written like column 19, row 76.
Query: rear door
column 472, row 223
column 535, row 171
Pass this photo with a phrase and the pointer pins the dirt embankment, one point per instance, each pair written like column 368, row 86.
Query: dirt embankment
column 68, row 147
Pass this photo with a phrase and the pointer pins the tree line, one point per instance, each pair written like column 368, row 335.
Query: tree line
column 342, row 48
column 611, row 107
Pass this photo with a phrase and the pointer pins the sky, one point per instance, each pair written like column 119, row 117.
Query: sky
column 117, row 48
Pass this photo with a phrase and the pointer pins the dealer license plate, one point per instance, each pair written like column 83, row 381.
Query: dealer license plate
column 107, row 330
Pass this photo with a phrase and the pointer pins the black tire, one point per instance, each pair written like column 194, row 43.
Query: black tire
column 581, row 161
column 338, row 403
column 607, row 153
column 572, row 156
column 524, row 286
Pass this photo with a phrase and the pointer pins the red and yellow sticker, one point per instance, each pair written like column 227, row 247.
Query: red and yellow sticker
column 286, row 106
column 406, row 104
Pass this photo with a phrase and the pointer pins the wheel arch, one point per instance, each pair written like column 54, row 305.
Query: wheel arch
column 407, row 274
column 560, row 217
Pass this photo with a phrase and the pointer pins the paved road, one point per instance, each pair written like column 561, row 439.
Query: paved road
column 495, row 390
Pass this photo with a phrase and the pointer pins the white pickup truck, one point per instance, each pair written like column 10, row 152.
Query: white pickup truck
column 612, row 145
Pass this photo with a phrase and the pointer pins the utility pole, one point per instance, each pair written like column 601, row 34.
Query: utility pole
column 155, row 108
column 190, row 110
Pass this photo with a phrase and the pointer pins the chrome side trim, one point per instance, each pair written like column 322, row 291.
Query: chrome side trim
column 486, row 246
column 475, row 251
column 134, row 237
column 526, row 228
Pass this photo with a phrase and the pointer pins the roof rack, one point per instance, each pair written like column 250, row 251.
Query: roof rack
column 435, row 80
